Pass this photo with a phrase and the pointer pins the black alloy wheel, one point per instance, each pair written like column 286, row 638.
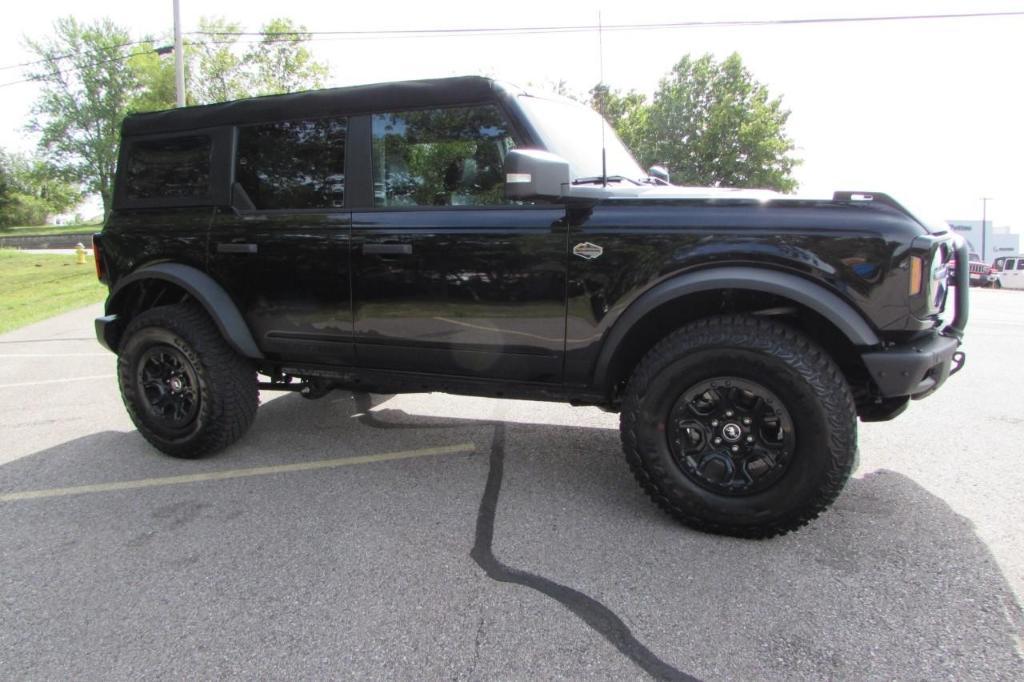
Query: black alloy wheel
column 171, row 388
column 731, row 436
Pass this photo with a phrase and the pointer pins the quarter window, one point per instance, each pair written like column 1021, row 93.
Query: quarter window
column 1009, row 264
column 293, row 164
column 440, row 157
column 169, row 168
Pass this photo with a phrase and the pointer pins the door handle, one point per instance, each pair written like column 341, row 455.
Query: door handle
column 387, row 249
column 234, row 247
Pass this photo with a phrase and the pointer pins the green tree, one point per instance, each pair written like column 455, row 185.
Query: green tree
column 627, row 113
column 87, row 85
column 219, row 71
column 6, row 189
column 93, row 74
column 711, row 123
column 280, row 61
column 155, row 74
column 32, row 191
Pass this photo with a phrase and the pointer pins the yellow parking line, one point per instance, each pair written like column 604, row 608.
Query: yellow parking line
column 235, row 473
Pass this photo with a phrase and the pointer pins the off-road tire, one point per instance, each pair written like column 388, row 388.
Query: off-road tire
column 789, row 364
column 228, row 393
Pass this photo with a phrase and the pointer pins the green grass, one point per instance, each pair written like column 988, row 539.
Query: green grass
column 35, row 287
column 39, row 230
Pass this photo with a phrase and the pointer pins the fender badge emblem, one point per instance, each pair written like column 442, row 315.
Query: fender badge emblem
column 587, row 250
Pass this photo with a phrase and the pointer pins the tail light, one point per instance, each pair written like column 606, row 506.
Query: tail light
column 993, row 270
column 97, row 258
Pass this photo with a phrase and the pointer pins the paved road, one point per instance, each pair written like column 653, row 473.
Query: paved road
column 429, row 536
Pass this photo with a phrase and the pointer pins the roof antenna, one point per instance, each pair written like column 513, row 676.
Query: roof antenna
column 604, row 96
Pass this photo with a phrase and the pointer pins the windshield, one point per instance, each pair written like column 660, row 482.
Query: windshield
column 573, row 131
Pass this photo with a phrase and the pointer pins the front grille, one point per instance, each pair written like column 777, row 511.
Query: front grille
column 978, row 268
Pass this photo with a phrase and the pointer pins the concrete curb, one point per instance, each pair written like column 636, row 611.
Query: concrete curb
column 48, row 241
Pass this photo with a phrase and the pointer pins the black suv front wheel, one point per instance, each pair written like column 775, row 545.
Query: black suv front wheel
column 186, row 390
column 740, row 425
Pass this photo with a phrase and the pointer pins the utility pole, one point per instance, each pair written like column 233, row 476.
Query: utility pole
column 984, row 206
column 179, row 59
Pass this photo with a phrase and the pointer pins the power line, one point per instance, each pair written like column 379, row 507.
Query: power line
column 158, row 50
column 119, row 58
column 288, row 36
column 70, row 54
column 520, row 30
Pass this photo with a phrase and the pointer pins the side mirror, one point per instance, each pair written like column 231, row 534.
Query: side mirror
column 534, row 174
column 659, row 173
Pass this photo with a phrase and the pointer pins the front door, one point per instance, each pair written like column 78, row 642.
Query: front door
column 449, row 277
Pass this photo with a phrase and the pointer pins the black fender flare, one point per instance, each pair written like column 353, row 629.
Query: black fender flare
column 204, row 289
column 802, row 291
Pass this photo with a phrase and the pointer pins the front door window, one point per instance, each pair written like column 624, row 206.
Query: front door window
column 440, row 157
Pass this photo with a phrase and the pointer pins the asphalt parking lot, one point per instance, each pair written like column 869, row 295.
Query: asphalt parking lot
column 431, row 536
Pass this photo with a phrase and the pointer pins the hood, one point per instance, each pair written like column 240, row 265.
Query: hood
column 675, row 192
column 624, row 190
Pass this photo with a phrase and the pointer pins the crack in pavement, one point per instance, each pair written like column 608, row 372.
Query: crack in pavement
column 592, row 612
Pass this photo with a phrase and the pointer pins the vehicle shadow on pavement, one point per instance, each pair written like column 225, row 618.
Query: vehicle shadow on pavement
column 891, row 583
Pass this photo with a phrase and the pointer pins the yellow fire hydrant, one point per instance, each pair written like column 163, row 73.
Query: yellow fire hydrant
column 79, row 254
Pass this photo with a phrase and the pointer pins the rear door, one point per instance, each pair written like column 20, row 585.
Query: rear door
column 282, row 249
column 449, row 276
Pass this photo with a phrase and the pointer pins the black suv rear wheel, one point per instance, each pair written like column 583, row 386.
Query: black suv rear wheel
column 739, row 425
column 186, row 390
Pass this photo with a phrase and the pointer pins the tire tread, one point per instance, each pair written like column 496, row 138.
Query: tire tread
column 234, row 392
column 769, row 337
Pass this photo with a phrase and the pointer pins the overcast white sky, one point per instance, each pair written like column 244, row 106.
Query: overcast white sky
column 929, row 111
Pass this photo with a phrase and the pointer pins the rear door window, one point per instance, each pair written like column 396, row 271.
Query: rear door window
column 169, row 168
column 293, row 164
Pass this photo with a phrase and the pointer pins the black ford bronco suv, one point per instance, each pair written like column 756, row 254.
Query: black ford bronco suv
column 465, row 236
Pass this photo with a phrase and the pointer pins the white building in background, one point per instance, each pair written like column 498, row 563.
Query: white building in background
column 996, row 241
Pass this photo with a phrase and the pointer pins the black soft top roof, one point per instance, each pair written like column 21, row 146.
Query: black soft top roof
column 349, row 100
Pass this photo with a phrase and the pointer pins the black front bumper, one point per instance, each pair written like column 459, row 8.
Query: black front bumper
column 916, row 369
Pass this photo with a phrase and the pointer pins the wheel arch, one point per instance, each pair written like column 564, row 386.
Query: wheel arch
column 164, row 282
column 668, row 305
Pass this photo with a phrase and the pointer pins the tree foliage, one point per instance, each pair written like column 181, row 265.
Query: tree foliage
column 216, row 70
column 32, row 190
column 86, row 88
column 280, row 61
column 6, row 190
column 93, row 74
column 626, row 112
column 711, row 123
column 155, row 76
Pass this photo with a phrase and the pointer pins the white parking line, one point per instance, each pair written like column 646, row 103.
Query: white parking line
column 58, row 381
column 55, row 355
column 235, row 473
